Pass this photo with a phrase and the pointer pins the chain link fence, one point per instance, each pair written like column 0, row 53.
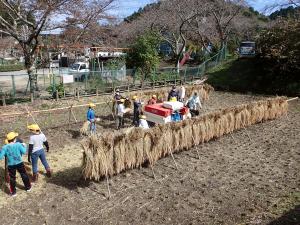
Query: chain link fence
column 50, row 81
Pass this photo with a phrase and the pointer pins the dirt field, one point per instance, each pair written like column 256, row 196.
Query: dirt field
column 251, row 177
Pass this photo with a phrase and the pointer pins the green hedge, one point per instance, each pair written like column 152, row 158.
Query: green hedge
column 11, row 67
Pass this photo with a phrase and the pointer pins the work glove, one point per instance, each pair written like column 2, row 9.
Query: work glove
column 47, row 149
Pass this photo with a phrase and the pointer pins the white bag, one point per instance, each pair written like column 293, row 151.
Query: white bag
column 173, row 105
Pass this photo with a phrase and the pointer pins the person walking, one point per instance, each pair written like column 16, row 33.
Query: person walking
column 37, row 141
column 120, row 114
column 90, row 115
column 13, row 151
column 136, row 111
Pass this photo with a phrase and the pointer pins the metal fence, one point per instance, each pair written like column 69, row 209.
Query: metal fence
column 49, row 81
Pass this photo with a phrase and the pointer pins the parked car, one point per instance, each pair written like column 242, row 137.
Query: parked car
column 80, row 71
column 54, row 64
column 247, row 49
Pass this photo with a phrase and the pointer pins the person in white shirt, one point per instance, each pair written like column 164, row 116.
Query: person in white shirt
column 143, row 122
column 120, row 114
column 181, row 93
column 37, row 141
column 194, row 104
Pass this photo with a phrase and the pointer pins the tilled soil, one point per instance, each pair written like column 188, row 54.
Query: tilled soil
column 249, row 177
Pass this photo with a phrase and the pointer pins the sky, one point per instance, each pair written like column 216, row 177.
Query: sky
column 124, row 8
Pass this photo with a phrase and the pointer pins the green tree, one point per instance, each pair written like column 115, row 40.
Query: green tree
column 143, row 54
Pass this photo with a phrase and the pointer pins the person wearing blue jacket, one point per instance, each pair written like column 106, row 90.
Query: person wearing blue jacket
column 90, row 115
column 13, row 151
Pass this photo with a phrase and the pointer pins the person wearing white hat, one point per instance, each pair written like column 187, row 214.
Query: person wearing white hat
column 194, row 104
column 120, row 114
column 143, row 122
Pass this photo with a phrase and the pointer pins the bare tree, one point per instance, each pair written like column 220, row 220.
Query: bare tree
column 171, row 20
column 26, row 19
column 223, row 13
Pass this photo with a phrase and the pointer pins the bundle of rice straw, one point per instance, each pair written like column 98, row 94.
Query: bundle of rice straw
column 162, row 93
column 111, row 153
column 85, row 129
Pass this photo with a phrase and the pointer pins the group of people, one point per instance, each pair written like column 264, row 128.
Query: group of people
column 15, row 148
column 139, row 119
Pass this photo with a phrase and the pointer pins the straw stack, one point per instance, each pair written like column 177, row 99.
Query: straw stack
column 109, row 154
column 162, row 93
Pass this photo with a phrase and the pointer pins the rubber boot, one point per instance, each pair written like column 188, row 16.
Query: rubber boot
column 48, row 173
column 35, row 177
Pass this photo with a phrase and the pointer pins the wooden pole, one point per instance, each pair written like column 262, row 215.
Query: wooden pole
column 153, row 172
column 6, row 174
column 173, row 158
column 292, row 99
column 31, row 97
column 3, row 100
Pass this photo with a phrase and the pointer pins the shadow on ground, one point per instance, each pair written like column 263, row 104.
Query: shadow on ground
column 69, row 178
column 75, row 133
column 292, row 217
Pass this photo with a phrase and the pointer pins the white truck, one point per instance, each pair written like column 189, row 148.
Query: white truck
column 247, row 49
column 80, row 71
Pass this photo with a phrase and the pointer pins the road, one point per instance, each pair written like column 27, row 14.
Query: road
column 21, row 79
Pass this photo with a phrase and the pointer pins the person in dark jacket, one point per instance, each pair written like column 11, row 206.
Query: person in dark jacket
column 173, row 93
column 136, row 111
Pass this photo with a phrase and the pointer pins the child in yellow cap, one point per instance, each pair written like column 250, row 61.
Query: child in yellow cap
column 37, row 141
column 13, row 151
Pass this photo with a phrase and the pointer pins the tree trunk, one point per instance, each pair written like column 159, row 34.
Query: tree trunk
column 31, row 76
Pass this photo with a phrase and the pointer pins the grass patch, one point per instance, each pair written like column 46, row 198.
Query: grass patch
column 250, row 75
column 11, row 67
column 233, row 75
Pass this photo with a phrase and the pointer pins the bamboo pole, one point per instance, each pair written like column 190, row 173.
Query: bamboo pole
column 51, row 110
column 292, row 99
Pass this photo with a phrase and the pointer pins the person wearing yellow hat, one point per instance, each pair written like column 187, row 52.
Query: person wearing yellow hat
column 120, row 114
column 137, row 106
column 36, row 151
column 90, row 115
column 13, row 151
column 143, row 122
column 153, row 100
column 173, row 99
